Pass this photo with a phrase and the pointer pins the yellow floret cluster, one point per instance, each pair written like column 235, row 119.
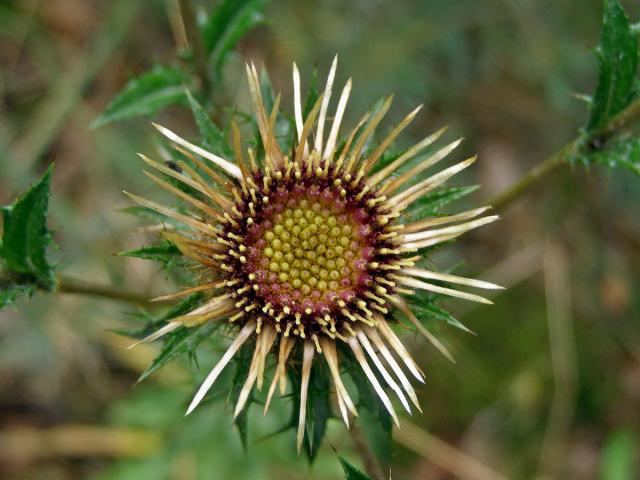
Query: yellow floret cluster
column 310, row 247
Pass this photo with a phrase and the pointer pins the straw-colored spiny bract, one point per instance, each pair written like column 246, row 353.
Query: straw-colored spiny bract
column 304, row 250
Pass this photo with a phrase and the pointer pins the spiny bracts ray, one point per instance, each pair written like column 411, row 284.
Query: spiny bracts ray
column 305, row 249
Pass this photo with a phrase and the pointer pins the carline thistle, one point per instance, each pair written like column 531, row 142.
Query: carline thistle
column 304, row 249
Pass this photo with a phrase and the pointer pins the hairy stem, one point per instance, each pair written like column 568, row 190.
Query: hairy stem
column 80, row 287
column 558, row 160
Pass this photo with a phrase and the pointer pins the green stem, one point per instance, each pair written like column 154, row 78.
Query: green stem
column 80, row 287
column 560, row 159
column 548, row 166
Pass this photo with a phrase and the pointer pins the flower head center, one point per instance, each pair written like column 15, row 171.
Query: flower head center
column 310, row 249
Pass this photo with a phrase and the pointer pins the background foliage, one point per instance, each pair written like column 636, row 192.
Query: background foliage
column 548, row 385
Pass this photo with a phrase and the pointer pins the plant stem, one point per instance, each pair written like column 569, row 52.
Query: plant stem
column 555, row 162
column 542, row 170
column 195, row 41
column 24, row 444
column 442, row 454
column 369, row 460
column 80, row 287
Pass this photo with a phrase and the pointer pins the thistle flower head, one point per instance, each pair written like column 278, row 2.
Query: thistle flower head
column 306, row 252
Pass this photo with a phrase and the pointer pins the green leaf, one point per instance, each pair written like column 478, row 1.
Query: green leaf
column 318, row 407
column 432, row 203
column 377, row 428
column 10, row 291
column 154, row 323
column 164, row 252
column 227, row 25
column 387, row 159
column 318, row 411
column 213, row 139
column 624, row 152
column 179, row 342
column 243, row 363
column 618, row 57
column 312, row 96
column 425, row 306
column 373, row 416
column 145, row 95
column 619, row 456
column 25, row 240
column 351, row 472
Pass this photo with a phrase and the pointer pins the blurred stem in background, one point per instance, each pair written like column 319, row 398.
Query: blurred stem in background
column 80, row 287
column 369, row 461
column 67, row 91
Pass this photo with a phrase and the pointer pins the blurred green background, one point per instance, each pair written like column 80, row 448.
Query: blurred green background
column 549, row 387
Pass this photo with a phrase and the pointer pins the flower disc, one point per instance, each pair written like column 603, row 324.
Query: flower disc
column 311, row 251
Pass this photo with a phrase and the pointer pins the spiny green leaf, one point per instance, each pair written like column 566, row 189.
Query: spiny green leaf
column 154, row 323
column 377, row 428
column 227, row 25
column 26, row 238
column 387, row 159
column 373, row 416
column 179, row 342
column 432, row 203
column 351, row 472
column 618, row 56
column 318, row 411
column 243, row 363
column 212, row 137
column 425, row 305
column 145, row 95
column 312, row 96
column 318, row 407
column 10, row 291
column 623, row 152
column 164, row 252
